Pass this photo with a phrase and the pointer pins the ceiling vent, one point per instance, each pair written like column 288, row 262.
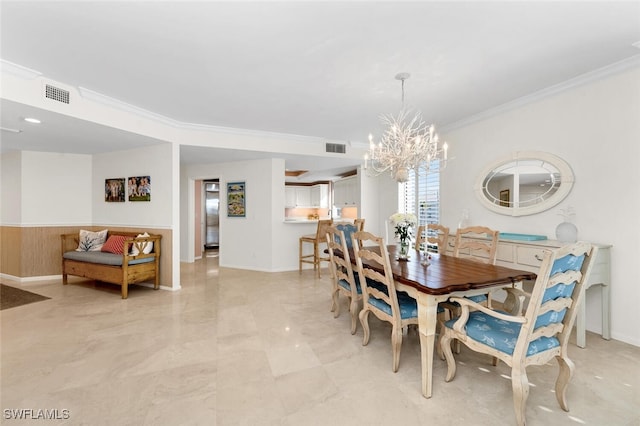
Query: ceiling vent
column 56, row 93
column 336, row 147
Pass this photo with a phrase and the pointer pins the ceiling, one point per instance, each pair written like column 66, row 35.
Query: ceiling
column 318, row 69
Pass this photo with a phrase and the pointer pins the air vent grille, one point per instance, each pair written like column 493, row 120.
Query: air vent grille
column 56, row 93
column 336, row 147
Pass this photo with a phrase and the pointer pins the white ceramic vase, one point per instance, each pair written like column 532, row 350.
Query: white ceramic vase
column 567, row 232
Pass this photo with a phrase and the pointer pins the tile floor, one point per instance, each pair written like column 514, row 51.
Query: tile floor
column 238, row 347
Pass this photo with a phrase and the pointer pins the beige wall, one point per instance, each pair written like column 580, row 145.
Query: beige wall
column 28, row 252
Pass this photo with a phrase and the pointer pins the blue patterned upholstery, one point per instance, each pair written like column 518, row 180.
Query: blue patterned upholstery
column 500, row 334
column 345, row 284
column 480, row 298
column 348, row 229
column 408, row 305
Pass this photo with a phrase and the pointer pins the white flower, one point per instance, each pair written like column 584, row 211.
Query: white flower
column 403, row 222
column 404, row 218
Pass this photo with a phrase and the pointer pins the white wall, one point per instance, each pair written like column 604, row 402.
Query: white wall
column 379, row 200
column 154, row 161
column 46, row 189
column 595, row 127
column 257, row 241
column 10, row 188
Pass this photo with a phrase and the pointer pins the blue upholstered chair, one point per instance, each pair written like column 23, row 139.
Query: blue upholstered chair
column 349, row 228
column 477, row 243
column 379, row 294
column 535, row 337
column 343, row 279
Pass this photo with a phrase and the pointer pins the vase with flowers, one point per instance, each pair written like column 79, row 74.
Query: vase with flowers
column 403, row 224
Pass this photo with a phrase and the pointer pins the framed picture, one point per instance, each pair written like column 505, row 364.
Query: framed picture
column 114, row 190
column 504, row 198
column 236, row 199
column 139, row 188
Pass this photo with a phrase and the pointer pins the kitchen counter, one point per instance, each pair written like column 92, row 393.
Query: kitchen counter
column 300, row 220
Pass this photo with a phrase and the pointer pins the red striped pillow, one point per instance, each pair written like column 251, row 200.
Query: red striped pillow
column 114, row 244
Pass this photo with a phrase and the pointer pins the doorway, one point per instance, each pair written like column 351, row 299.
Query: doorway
column 211, row 231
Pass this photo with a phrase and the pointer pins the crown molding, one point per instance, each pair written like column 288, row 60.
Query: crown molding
column 615, row 68
column 19, row 70
column 94, row 96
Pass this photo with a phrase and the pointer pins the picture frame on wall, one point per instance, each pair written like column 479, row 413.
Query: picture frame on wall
column 505, row 198
column 139, row 188
column 114, row 190
column 236, row 199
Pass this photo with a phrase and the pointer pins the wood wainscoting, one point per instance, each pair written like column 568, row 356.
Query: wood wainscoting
column 31, row 252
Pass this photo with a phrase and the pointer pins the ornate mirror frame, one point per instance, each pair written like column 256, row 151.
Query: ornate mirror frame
column 561, row 181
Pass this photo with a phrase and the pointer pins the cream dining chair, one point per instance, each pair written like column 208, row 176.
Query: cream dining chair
column 343, row 279
column 431, row 235
column 379, row 295
column 533, row 338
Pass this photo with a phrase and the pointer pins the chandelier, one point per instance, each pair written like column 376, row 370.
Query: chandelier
column 407, row 144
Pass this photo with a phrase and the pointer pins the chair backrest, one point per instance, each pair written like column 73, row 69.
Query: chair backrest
column 340, row 264
column 483, row 246
column 374, row 266
column 348, row 229
column 556, row 294
column 322, row 229
column 359, row 224
column 431, row 235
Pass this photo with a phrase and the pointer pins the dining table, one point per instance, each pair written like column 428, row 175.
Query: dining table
column 431, row 278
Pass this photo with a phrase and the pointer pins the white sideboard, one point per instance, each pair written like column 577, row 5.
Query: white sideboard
column 528, row 255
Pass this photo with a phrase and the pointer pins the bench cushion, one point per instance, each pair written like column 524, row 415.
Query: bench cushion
column 102, row 258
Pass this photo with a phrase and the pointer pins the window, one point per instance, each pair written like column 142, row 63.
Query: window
column 421, row 195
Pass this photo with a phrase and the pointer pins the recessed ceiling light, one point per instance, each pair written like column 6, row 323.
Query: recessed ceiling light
column 32, row 120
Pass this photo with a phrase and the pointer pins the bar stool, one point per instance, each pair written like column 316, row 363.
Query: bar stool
column 315, row 258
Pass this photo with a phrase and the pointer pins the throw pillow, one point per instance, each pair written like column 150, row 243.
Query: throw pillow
column 147, row 248
column 114, row 244
column 91, row 241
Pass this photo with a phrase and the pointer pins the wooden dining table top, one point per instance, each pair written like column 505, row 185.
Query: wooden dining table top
column 447, row 274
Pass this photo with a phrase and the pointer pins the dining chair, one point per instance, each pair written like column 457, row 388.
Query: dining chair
column 432, row 235
column 315, row 239
column 343, row 279
column 349, row 228
column 477, row 243
column 535, row 337
column 379, row 295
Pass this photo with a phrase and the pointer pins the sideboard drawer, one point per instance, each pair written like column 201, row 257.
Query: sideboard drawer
column 531, row 256
column 505, row 253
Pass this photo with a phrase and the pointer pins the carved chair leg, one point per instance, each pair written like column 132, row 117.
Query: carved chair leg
column 364, row 320
column 396, row 345
column 445, row 349
column 567, row 367
column 335, row 302
column 353, row 310
column 520, row 385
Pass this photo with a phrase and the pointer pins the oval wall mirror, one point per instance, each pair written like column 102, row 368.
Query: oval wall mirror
column 524, row 183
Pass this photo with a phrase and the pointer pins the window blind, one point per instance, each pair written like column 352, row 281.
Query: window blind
column 421, row 194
